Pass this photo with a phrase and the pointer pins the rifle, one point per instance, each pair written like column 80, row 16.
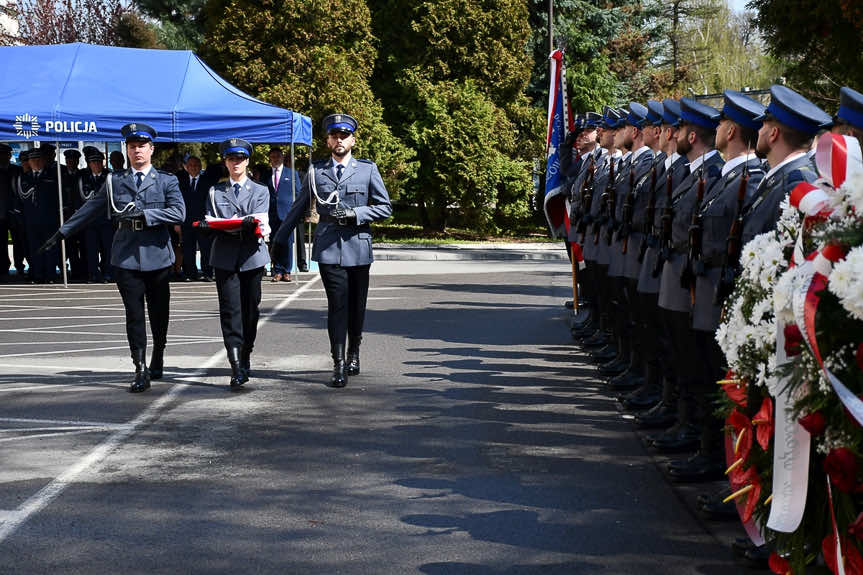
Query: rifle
column 628, row 202
column 612, row 211
column 651, row 214
column 586, row 198
column 667, row 217
column 733, row 243
column 687, row 274
column 597, row 225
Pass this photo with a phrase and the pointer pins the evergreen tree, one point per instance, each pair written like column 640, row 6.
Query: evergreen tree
column 296, row 55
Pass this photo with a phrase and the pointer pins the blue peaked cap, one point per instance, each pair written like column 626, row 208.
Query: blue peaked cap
column 790, row 108
column 742, row 109
column 850, row 107
column 693, row 112
column 671, row 112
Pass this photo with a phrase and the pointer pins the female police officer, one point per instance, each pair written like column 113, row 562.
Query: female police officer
column 349, row 193
column 142, row 201
column 238, row 257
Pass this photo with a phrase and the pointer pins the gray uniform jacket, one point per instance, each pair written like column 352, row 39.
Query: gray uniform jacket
column 231, row 251
column 718, row 210
column 162, row 203
column 762, row 210
column 590, row 249
column 621, row 180
column 577, row 212
column 631, row 264
column 362, row 189
column 647, row 282
column 628, row 262
column 671, row 295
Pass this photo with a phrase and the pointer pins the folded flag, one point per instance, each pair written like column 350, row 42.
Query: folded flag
column 230, row 225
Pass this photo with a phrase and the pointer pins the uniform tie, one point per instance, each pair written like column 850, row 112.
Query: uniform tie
column 140, row 177
column 194, row 181
column 237, row 190
column 339, row 169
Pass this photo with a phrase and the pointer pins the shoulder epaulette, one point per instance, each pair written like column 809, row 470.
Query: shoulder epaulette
column 364, row 161
column 166, row 173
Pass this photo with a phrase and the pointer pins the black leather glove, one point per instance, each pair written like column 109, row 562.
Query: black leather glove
column 250, row 224
column 344, row 214
column 131, row 213
column 51, row 242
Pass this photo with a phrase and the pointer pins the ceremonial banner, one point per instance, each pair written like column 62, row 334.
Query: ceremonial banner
column 555, row 205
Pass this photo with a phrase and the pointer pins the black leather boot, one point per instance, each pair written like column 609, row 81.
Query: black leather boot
column 354, row 356
column 340, row 375
column 237, row 372
column 246, row 362
column 142, row 374
column 157, row 361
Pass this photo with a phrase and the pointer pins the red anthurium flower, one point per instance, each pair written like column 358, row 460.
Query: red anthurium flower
column 779, row 564
column 814, row 423
column 856, row 528
column 841, row 465
column 793, row 340
column 763, row 422
column 853, row 559
column 736, row 393
column 737, row 424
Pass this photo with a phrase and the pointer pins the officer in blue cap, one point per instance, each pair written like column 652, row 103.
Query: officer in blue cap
column 238, row 257
column 659, row 353
column 625, row 368
column 142, row 201
column 348, row 194
column 696, row 140
column 789, row 125
column 849, row 119
column 596, row 335
column 99, row 235
column 40, row 208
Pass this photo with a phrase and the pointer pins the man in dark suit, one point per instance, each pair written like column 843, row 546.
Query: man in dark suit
column 194, row 196
column 282, row 196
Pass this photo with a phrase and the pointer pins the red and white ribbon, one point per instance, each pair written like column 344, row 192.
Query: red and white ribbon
column 837, row 158
column 809, row 198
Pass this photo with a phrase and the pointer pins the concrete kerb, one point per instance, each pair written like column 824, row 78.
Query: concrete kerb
column 473, row 251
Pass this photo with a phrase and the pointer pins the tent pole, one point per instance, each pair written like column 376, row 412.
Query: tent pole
column 60, row 195
column 294, row 195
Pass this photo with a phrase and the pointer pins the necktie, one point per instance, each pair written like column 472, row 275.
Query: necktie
column 276, row 179
column 339, row 169
column 237, row 190
column 194, row 181
column 140, row 177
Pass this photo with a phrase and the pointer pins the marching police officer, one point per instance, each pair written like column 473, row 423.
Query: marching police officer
column 143, row 201
column 238, row 257
column 349, row 193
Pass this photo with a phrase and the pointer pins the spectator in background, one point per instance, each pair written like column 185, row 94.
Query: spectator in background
column 76, row 247
column 8, row 176
column 194, row 191
column 281, row 198
column 17, row 229
column 100, row 233
column 117, row 161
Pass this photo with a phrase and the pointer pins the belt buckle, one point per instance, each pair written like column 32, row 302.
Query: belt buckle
column 137, row 225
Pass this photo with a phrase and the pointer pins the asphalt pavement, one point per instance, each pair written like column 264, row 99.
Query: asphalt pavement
column 475, row 440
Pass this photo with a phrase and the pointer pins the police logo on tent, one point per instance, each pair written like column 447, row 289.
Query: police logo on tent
column 27, row 126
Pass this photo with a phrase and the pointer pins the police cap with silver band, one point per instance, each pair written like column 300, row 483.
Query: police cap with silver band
column 693, row 112
column 793, row 110
column 654, row 113
column 610, row 118
column 93, row 154
column 138, row 132
column 671, row 112
column 34, row 153
column 637, row 115
column 24, row 156
column 72, row 152
column 235, row 147
column 339, row 123
column 742, row 109
column 850, row 107
column 592, row 120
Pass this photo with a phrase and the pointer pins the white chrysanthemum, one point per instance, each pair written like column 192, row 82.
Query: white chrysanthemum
column 853, row 191
column 760, row 258
column 846, row 282
column 789, row 220
column 783, row 293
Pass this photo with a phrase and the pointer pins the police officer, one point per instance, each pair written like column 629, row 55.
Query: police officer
column 8, row 177
column 100, row 234
column 239, row 257
column 17, row 228
column 789, row 124
column 76, row 247
column 849, row 118
column 695, row 139
column 40, row 205
column 143, row 201
column 349, row 194
column 736, row 136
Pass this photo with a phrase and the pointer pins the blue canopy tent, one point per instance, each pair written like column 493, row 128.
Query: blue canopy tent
column 88, row 92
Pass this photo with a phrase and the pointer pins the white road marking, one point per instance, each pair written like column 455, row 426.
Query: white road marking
column 60, row 422
column 13, row 520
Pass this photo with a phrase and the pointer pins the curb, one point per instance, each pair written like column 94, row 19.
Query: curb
column 483, row 252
